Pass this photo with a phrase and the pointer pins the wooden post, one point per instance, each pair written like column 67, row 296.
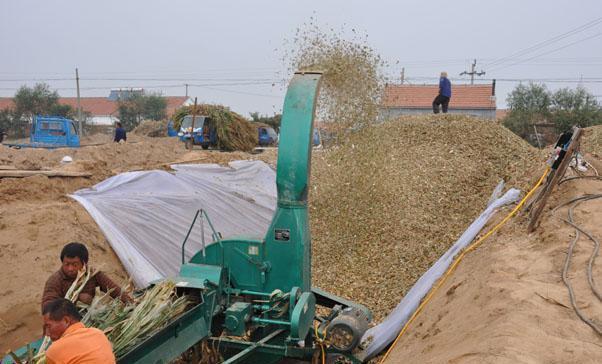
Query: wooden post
column 557, row 175
column 79, row 107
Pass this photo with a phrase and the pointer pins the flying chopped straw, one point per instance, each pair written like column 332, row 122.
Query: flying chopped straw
column 352, row 80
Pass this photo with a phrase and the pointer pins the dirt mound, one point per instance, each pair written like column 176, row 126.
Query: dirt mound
column 151, row 128
column 392, row 198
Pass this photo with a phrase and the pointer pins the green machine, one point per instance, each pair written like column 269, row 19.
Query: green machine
column 252, row 299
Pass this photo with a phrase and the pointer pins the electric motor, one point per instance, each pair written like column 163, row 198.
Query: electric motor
column 346, row 330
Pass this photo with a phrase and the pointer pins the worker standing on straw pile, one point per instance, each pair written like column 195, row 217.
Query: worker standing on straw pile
column 74, row 259
column 72, row 342
column 444, row 94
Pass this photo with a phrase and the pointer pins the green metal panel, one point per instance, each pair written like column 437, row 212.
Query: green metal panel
column 303, row 316
column 288, row 241
column 195, row 275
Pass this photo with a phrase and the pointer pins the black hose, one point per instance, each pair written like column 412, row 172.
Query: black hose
column 578, row 230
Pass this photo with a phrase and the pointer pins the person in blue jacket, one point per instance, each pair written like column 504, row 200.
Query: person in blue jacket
column 444, row 94
column 119, row 133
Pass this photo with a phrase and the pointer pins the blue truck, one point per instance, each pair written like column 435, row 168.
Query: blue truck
column 267, row 136
column 203, row 132
column 51, row 132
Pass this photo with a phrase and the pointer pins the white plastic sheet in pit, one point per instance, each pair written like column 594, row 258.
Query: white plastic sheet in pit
column 146, row 215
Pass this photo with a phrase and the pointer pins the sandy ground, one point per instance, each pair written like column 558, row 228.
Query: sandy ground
column 506, row 302
column 37, row 218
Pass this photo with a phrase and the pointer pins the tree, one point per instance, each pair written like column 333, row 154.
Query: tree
column 529, row 104
column 273, row 121
column 574, row 107
column 39, row 100
column 564, row 108
column 138, row 107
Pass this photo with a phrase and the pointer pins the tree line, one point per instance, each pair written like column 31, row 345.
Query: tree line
column 534, row 104
column 41, row 100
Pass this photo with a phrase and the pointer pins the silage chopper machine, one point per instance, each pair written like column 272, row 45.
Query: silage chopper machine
column 253, row 297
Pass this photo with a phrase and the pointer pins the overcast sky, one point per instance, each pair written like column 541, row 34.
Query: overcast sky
column 232, row 50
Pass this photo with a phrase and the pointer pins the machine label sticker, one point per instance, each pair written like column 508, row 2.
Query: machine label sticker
column 253, row 250
column 282, row 234
column 182, row 284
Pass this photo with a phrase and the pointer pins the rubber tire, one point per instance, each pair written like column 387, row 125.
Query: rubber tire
column 188, row 144
column 205, row 146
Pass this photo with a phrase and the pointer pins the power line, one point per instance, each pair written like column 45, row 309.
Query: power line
column 548, row 52
column 547, row 42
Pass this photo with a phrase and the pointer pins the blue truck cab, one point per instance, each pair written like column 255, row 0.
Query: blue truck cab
column 267, row 136
column 203, row 133
column 51, row 132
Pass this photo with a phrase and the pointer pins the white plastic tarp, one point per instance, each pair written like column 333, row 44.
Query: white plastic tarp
column 384, row 333
column 145, row 215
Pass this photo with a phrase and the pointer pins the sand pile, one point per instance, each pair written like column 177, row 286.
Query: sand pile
column 151, row 128
column 388, row 201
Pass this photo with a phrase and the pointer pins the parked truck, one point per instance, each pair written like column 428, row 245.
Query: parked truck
column 202, row 133
column 51, row 132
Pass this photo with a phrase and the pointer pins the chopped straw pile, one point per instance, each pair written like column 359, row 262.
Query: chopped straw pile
column 592, row 140
column 234, row 132
column 391, row 198
column 151, row 128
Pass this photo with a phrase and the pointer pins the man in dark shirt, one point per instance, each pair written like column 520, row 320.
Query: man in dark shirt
column 444, row 94
column 74, row 257
column 119, row 133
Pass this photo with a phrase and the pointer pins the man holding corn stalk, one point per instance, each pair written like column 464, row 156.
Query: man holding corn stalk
column 74, row 259
column 72, row 342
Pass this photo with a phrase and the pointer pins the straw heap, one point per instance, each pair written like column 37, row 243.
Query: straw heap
column 391, row 199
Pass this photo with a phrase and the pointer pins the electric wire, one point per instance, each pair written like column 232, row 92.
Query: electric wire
column 547, row 42
column 548, row 52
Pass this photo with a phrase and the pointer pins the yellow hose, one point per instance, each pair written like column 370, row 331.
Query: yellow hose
column 457, row 261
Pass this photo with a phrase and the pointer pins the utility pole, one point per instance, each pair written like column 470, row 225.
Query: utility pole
column 403, row 74
column 473, row 72
column 186, row 89
column 79, row 107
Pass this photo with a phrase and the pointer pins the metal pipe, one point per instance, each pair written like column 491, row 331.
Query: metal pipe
column 260, row 320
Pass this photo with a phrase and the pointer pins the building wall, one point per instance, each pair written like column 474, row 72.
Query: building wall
column 390, row 113
column 102, row 120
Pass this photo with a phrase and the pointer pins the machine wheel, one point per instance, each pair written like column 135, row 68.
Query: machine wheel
column 205, row 146
column 188, row 144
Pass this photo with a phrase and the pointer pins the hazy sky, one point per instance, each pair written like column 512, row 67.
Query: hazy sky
column 232, row 50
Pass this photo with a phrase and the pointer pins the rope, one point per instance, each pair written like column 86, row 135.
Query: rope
column 457, row 261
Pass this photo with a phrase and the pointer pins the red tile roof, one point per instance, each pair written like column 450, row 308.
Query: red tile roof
column 501, row 113
column 101, row 105
column 421, row 96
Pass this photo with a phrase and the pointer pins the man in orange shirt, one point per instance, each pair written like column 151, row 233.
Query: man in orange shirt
column 72, row 342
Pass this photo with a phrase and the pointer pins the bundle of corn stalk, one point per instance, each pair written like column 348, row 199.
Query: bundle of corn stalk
column 391, row 198
column 234, row 132
column 124, row 324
